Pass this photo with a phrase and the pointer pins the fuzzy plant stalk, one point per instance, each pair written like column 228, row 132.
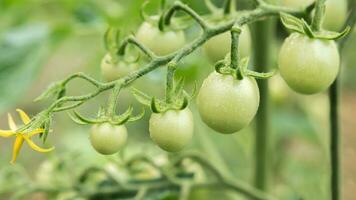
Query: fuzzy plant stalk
column 263, row 38
column 335, row 133
column 334, row 102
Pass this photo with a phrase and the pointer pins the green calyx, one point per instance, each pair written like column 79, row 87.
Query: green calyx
column 112, row 45
column 229, row 7
column 46, row 126
column 301, row 26
column 102, row 117
column 180, row 98
column 111, row 42
column 224, row 67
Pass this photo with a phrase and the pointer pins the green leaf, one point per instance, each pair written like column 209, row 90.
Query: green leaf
column 292, row 23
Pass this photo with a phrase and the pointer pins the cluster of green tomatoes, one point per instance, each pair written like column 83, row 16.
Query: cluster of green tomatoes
column 308, row 62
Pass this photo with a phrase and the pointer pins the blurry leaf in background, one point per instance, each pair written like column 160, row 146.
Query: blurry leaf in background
column 22, row 52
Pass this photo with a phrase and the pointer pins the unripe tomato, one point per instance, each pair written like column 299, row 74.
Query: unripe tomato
column 107, row 138
column 161, row 43
column 172, row 130
column 226, row 104
column 335, row 14
column 308, row 65
column 217, row 47
column 298, row 4
column 111, row 71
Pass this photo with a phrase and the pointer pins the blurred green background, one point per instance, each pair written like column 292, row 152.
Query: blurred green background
column 42, row 41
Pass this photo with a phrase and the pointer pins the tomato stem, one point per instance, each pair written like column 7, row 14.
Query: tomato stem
column 319, row 15
column 171, row 68
column 264, row 35
column 112, row 104
column 132, row 40
column 183, row 7
column 334, row 117
column 334, row 140
column 235, row 34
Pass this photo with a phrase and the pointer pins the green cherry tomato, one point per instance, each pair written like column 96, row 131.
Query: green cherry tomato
column 226, row 104
column 308, row 65
column 112, row 71
column 161, row 43
column 298, row 4
column 335, row 14
column 172, row 130
column 107, row 138
column 217, row 47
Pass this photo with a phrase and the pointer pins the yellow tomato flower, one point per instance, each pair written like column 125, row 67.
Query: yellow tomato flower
column 20, row 137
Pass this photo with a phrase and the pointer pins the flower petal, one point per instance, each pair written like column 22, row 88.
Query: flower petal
column 17, row 147
column 25, row 118
column 35, row 132
column 6, row 133
column 35, row 147
column 11, row 122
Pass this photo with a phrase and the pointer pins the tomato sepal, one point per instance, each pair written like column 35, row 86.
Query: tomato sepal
column 56, row 90
column 295, row 24
column 331, row 35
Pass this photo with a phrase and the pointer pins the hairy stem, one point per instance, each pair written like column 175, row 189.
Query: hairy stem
column 235, row 33
column 264, row 35
column 171, row 68
column 334, row 140
column 132, row 40
column 335, row 133
column 180, row 6
column 319, row 15
column 113, row 100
